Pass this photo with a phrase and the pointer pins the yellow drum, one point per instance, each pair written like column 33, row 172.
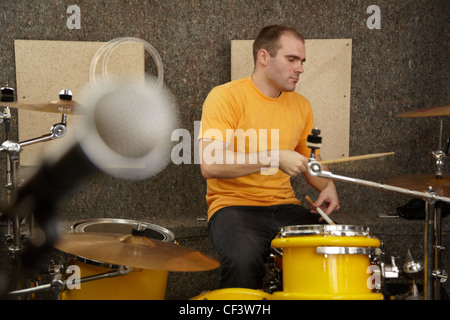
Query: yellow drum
column 327, row 262
column 234, row 294
column 140, row 284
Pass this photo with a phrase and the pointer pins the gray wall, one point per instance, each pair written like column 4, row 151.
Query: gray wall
column 401, row 67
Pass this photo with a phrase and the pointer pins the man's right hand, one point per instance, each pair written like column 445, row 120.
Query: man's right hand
column 292, row 162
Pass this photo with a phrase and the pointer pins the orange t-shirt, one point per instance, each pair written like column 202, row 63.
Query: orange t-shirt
column 238, row 108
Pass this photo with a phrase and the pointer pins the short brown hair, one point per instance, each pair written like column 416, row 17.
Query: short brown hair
column 268, row 37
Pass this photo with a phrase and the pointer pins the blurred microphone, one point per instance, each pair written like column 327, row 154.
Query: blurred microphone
column 125, row 131
column 128, row 127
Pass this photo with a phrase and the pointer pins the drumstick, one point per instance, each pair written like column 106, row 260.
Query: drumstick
column 320, row 211
column 363, row 157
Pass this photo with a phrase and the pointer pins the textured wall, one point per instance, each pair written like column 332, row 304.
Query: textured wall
column 401, row 67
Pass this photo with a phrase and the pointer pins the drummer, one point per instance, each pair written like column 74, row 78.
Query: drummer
column 249, row 194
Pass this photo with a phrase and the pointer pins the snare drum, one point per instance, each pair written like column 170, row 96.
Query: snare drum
column 140, row 284
column 234, row 294
column 327, row 262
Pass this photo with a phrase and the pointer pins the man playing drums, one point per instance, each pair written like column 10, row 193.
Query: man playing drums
column 252, row 141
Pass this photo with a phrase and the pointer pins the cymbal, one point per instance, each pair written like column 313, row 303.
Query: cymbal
column 421, row 183
column 55, row 106
column 428, row 112
column 135, row 251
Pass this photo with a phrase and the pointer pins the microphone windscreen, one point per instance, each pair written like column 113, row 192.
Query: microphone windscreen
column 127, row 127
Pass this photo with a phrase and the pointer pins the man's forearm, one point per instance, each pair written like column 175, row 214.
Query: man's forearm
column 231, row 164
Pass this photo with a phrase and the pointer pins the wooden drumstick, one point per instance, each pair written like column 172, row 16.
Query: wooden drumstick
column 363, row 157
column 320, row 211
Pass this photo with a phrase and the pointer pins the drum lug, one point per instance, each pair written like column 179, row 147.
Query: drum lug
column 390, row 271
column 274, row 276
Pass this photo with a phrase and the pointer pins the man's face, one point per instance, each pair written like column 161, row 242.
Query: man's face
column 283, row 70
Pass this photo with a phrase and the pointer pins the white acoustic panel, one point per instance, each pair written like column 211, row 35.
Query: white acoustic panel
column 44, row 68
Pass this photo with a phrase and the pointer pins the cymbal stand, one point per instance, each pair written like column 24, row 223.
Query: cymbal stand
column 434, row 239
column 57, row 131
column 13, row 150
column 438, row 274
column 11, row 186
column 430, row 213
column 7, row 95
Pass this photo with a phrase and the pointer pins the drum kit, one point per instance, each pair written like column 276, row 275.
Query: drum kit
column 116, row 259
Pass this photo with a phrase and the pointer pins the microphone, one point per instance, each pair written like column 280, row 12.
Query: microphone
column 127, row 128
column 125, row 131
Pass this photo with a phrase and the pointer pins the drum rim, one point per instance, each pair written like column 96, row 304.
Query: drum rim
column 328, row 250
column 96, row 263
column 325, row 230
column 169, row 236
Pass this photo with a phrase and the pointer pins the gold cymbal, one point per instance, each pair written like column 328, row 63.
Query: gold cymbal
column 55, row 106
column 428, row 112
column 135, row 251
column 421, row 183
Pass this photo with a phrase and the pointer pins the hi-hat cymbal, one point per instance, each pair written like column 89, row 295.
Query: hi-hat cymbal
column 135, row 251
column 55, row 106
column 428, row 112
column 421, row 183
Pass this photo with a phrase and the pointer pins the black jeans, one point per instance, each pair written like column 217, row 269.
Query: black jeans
column 242, row 237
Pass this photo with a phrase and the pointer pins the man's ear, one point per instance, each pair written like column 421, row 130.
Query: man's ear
column 263, row 56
